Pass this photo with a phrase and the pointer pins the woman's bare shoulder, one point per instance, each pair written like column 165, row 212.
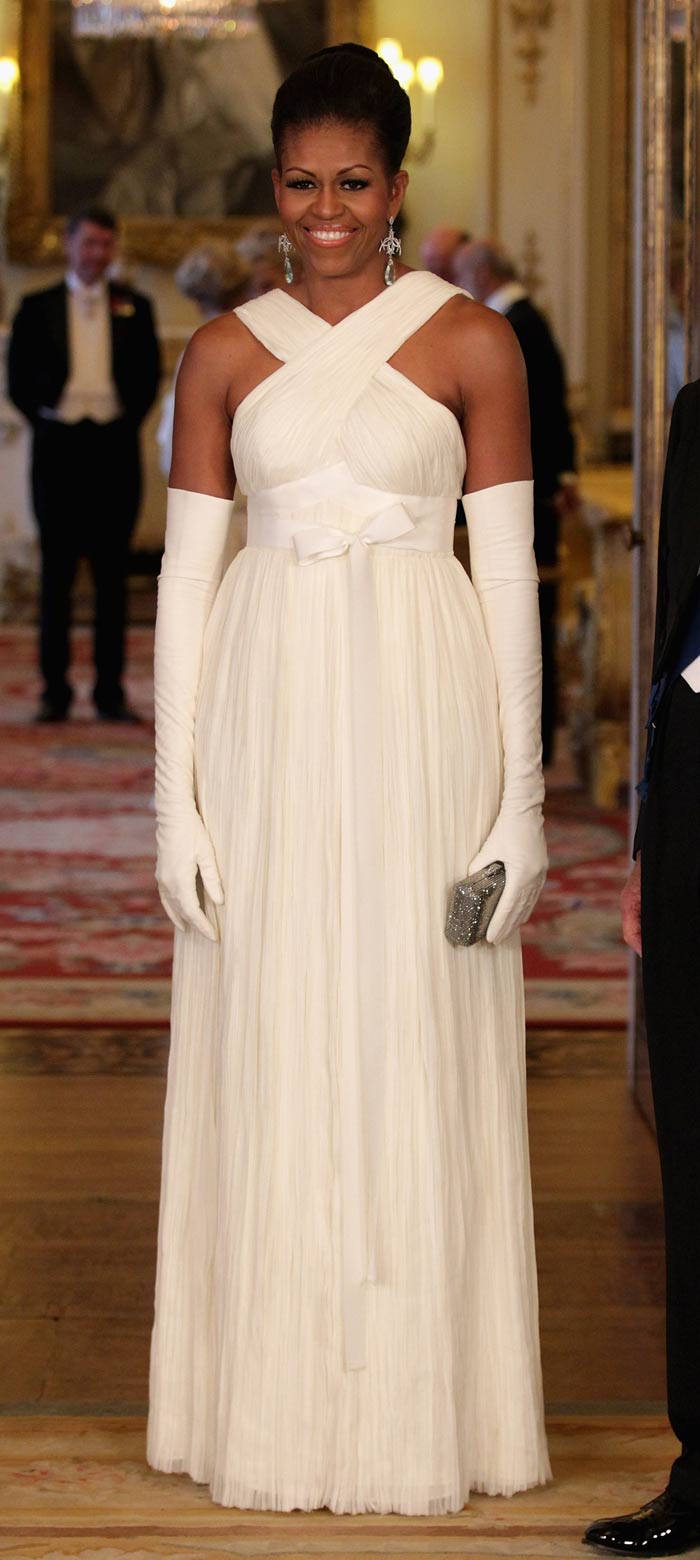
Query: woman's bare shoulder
column 474, row 324
column 482, row 345
column 219, row 362
column 218, row 343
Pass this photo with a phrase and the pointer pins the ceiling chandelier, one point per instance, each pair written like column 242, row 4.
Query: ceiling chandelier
column 158, row 18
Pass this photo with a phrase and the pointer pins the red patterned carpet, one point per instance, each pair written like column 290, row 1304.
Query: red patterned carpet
column 576, row 965
column 83, row 940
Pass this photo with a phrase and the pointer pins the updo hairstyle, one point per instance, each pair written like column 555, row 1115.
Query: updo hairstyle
column 351, row 85
column 213, row 275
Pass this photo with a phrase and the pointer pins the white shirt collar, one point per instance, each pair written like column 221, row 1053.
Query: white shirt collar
column 84, row 289
column 503, row 298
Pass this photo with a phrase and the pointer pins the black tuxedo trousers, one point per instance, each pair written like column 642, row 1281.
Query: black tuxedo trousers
column 670, row 863
column 86, row 489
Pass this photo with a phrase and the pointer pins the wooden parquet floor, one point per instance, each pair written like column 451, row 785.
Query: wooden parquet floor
column 79, row 1169
column 80, row 1487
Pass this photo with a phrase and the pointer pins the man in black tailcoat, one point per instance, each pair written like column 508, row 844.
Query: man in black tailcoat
column 486, row 271
column 84, row 368
column 661, row 921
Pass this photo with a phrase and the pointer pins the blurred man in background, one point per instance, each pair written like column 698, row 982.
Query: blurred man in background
column 83, row 368
column 438, row 250
column 487, row 272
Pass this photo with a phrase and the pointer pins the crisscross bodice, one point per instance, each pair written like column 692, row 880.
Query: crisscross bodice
column 335, row 397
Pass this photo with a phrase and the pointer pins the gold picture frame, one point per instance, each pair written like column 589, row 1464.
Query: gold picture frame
column 34, row 231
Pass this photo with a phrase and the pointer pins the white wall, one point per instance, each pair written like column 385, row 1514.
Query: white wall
column 535, row 172
column 542, row 172
column 454, row 184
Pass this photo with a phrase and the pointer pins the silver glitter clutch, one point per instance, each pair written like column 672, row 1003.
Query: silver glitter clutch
column 473, row 903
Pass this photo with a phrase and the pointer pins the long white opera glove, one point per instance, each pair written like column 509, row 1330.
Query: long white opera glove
column 504, row 576
column 195, row 545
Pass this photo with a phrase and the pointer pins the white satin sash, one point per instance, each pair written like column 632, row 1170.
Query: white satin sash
column 325, row 516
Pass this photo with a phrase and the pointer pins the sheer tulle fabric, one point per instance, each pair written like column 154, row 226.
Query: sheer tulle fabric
column 248, row 1388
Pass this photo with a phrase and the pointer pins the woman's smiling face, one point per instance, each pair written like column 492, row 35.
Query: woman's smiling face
column 334, row 196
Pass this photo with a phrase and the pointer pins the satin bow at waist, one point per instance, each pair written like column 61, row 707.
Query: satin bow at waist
column 329, row 516
column 325, row 514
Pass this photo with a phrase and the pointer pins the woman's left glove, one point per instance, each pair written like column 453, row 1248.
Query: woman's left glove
column 195, row 547
column 518, row 841
column 504, row 575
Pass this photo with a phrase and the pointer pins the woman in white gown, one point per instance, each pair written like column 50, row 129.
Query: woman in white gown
column 346, row 1305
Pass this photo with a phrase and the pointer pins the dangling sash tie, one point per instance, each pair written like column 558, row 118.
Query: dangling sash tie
column 280, row 517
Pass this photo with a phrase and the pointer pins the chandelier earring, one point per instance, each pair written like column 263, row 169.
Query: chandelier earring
column 391, row 245
column 285, row 247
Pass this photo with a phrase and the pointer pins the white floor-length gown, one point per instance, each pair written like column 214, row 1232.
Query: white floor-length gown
column 346, row 1304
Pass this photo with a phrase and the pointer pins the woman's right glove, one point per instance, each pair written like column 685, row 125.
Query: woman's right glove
column 195, row 547
column 504, row 576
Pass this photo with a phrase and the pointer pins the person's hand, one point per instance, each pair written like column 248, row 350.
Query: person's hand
column 631, row 907
column 184, row 848
column 516, row 839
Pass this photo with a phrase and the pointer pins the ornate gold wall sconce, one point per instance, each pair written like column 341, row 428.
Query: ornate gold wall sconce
column 427, row 75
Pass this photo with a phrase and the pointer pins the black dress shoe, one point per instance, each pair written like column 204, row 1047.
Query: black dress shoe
column 122, row 712
column 667, row 1526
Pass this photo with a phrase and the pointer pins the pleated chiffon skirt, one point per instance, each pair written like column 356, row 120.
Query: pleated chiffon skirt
column 249, row 1391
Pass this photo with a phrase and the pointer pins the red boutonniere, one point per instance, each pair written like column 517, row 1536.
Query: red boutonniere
column 121, row 306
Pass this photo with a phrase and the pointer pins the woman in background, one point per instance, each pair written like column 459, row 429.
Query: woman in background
column 259, row 249
column 216, row 278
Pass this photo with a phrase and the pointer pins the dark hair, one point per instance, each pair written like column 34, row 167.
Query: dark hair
column 350, row 84
column 99, row 215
